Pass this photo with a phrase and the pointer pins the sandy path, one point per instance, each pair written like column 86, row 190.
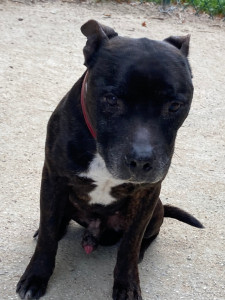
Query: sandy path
column 41, row 57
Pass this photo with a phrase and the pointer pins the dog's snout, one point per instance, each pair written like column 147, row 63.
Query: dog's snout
column 139, row 161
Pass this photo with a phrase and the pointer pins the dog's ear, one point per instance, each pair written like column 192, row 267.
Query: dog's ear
column 180, row 42
column 96, row 34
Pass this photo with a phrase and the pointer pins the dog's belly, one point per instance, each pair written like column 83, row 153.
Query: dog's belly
column 103, row 180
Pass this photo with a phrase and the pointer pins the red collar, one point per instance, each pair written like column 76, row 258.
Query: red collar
column 83, row 105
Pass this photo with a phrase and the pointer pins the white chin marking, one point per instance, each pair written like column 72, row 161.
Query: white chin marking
column 98, row 172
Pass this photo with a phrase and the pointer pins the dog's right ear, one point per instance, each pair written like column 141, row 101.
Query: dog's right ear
column 96, row 34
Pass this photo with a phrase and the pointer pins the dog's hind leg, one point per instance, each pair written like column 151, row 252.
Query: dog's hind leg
column 146, row 242
column 110, row 237
column 161, row 212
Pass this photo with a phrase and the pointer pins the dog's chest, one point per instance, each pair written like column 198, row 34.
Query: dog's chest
column 103, row 181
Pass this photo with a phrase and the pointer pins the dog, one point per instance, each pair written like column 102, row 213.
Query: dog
column 109, row 146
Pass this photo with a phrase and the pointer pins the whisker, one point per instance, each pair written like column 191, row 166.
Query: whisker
column 177, row 155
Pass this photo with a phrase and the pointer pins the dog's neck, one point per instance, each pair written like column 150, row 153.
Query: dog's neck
column 83, row 105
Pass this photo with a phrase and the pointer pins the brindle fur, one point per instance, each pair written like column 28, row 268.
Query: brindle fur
column 135, row 138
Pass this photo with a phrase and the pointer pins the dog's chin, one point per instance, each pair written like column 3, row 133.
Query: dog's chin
column 152, row 181
column 135, row 179
column 144, row 181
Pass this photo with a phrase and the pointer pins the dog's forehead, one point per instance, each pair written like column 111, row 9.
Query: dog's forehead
column 128, row 59
column 140, row 48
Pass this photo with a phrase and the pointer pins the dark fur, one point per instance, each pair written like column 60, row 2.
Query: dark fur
column 139, row 93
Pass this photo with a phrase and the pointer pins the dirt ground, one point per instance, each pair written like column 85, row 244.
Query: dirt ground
column 41, row 57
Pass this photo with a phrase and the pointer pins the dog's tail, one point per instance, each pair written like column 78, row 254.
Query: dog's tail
column 181, row 215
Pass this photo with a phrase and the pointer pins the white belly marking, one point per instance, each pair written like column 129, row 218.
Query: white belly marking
column 103, row 179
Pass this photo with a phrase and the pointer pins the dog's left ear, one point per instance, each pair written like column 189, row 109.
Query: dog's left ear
column 180, row 42
column 96, row 34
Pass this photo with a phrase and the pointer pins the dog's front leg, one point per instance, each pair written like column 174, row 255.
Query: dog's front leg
column 126, row 278
column 54, row 194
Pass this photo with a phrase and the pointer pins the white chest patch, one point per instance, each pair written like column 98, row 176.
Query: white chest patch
column 98, row 172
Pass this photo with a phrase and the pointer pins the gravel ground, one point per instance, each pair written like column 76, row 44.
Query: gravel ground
column 41, row 57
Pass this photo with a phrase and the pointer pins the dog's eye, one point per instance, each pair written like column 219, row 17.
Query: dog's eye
column 174, row 107
column 111, row 99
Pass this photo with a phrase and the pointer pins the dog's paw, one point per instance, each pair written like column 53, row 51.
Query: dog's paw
column 31, row 286
column 123, row 292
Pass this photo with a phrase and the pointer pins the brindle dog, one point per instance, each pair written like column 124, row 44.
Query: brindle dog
column 109, row 146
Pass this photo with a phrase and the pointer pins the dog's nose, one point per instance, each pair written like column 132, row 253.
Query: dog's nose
column 140, row 162
column 140, row 166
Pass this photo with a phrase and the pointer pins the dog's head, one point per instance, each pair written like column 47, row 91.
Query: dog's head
column 138, row 94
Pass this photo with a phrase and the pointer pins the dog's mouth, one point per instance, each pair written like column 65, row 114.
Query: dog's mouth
column 155, row 175
column 117, row 166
